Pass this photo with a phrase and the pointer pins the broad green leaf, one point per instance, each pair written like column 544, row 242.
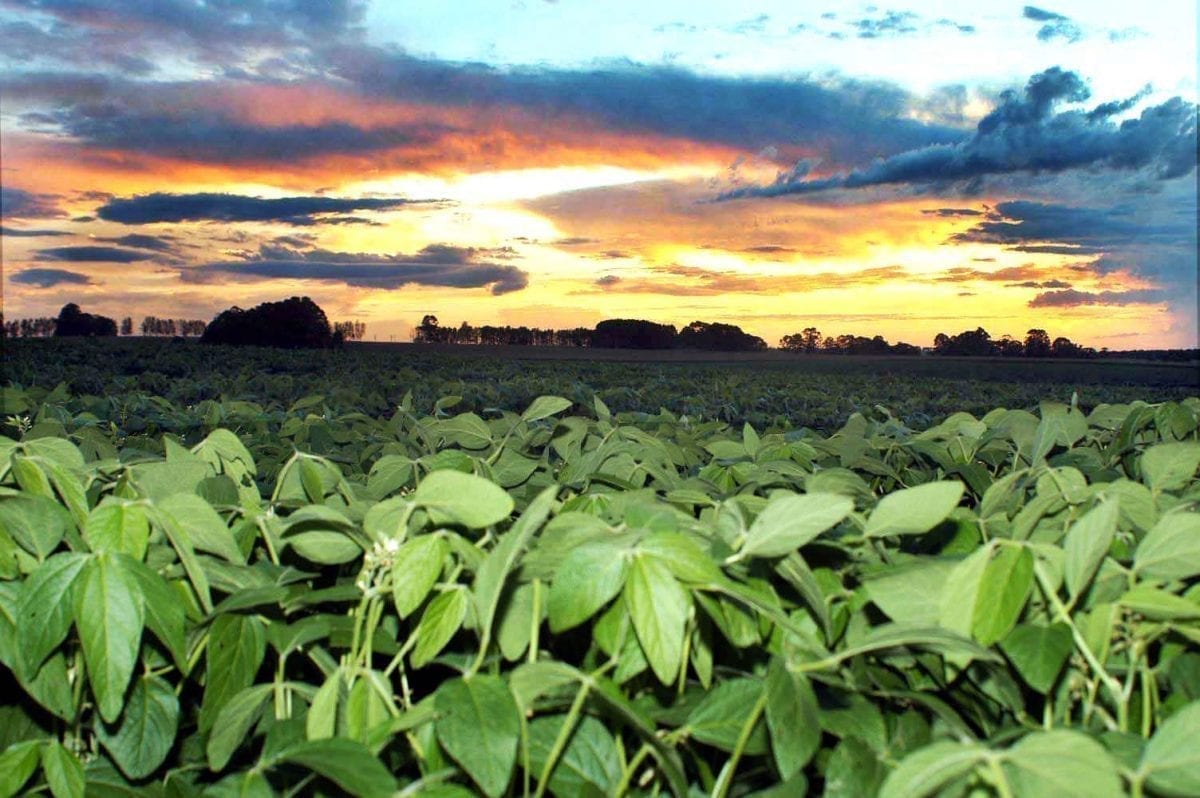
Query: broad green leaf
column 43, row 611
column 1171, row 550
column 36, row 523
column 1172, row 758
column 439, row 623
column 466, row 430
column 63, row 771
column 455, row 497
column 1086, row 544
column 719, row 717
column 1038, row 653
column 160, row 480
column 1170, row 466
column 324, row 547
column 928, row 769
column 544, row 407
column 789, row 522
column 502, row 559
column 17, row 764
column 389, row 474
column 146, row 732
column 894, row 635
column 589, row 765
column 118, row 525
column 960, row 594
column 415, row 570
column 1003, row 590
column 911, row 592
column 659, row 609
column 234, row 722
column 109, row 614
column 479, row 726
column 589, row 577
column 853, row 770
column 164, row 609
column 321, row 721
column 236, row 647
column 792, row 718
column 347, row 763
column 1061, row 764
column 204, row 527
column 1159, row 605
column 913, row 511
column 683, row 557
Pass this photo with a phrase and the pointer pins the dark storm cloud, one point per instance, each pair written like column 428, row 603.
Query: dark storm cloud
column 17, row 232
column 17, row 203
column 48, row 278
column 1063, row 229
column 1070, row 298
column 1024, row 134
column 212, row 137
column 1054, row 26
column 301, row 211
column 438, row 265
column 90, row 254
column 851, row 118
column 141, row 241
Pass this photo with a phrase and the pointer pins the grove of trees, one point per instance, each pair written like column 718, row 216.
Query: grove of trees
column 72, row 321
column 969, row 343
column 610, row 334
column 295, row 323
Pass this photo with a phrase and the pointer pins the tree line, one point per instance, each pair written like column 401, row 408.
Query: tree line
column 969, row 343
column 293, row 323
column 610, row 334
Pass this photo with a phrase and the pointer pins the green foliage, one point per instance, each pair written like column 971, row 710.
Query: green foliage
column 267, row 598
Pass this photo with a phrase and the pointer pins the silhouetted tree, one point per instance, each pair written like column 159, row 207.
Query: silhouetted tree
column 719, row 337
column 293, row 323
column 127, row 326
column 633, row 334
column 72, row 321
column 1037, row 343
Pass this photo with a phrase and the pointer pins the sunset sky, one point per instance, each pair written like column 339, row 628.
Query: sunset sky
column 900, row 169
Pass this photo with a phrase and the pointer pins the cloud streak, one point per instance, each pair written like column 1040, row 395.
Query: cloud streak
column 437, row 265
column 214, row 207
column 49, row 278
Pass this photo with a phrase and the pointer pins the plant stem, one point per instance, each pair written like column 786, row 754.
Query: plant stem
column 725, row 780
column 630, row 769
column 560, row 742
column 535, row 621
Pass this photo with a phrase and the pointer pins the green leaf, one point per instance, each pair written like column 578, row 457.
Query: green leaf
column 893, row 635
column 36, row 523
column 165, row 613
column 1170, row 466
column 64, row 772
column 1172, row 758
column 455, row 497
column 927, row 770
column 146, row 734
column 659, row 609
column 853, row 771
column 589, row 765
column 236, row 647
column 204, row 527
column 415, row 570
column 1003, row 589
column 234, row 722
column 502, row 559
column 109, row 613
column 544, row 407
column 43, row 611
column 466, row 430
column 1086, row 544
column 347, row 763
column 913, row 511
column 480, row 727
column 719, row 717
column 17, row 764
column 590, row 577
column 1062, row 764
column 683, row 556
column 1171, row 550
column 439, row 623
column 118, row 525
column 1159, row 605
column 324, row 547
column 789, row 522
column 911, row 592
column 792, row 718
column 1038, row 653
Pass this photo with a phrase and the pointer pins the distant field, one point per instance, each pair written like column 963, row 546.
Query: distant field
column 775, row 389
